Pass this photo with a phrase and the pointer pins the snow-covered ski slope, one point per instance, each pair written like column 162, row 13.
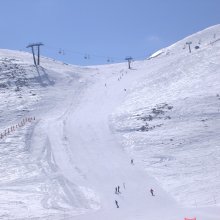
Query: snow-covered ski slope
column 87, row 123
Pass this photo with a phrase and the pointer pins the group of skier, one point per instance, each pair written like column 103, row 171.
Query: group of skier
column 117, row 189
column 116, row 202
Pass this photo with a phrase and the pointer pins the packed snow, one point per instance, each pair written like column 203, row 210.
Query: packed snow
column 71, row 135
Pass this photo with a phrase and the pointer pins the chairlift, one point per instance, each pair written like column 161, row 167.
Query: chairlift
column 86, row 56
column 61, row 52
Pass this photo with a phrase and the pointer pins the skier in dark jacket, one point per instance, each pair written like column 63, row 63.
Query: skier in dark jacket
column 118, row 189
column 152, row 192
column 116, row 202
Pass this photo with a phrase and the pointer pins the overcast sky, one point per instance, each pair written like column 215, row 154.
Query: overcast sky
column 87, row 32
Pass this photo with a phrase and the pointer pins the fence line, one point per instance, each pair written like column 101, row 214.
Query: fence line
column 13, row 128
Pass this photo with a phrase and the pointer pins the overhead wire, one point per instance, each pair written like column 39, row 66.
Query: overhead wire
column 87, row 56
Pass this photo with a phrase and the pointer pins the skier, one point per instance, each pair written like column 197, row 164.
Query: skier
column 116, row 202
column 118, row 189
column 132, row 161
column 152, row 192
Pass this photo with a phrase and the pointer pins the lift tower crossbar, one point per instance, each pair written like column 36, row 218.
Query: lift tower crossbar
column 38, row 52
column 129, row 59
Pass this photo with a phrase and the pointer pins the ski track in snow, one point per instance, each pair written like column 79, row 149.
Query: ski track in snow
column 91, row 121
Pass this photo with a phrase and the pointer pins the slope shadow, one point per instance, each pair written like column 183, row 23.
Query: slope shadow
column 43, row 77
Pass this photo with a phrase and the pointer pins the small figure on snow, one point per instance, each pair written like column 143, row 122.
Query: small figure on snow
column 116, row 190
column 116, row 203
column 152, row 192
column 119, row 189
column 132, row 161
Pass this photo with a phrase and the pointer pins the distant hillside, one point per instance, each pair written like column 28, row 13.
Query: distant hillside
column 171, row 120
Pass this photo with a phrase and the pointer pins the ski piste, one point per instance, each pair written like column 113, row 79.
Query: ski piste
column 91, row 122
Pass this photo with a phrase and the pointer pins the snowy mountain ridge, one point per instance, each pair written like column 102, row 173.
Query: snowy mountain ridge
column 184, row 105
column 199, row 40
column 90, row 122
